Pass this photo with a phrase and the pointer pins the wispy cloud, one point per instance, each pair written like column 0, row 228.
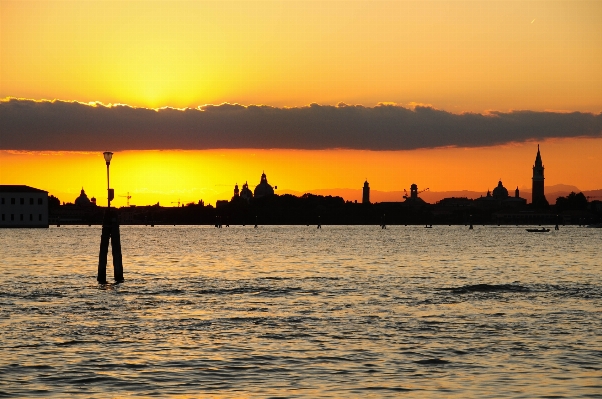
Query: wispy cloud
column 29, row 125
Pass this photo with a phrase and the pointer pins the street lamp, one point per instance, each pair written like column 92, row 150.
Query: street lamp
column 110, row 194
column 110, row 232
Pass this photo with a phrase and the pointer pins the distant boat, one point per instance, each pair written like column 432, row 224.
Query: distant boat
column 542, row 230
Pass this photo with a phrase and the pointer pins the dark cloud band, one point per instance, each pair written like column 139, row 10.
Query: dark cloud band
column 73, row 126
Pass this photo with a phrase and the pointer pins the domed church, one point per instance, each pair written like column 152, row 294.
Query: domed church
column 245, row 193
column 500, row 192
column 83, row 200
column 500, row 198
column 263, row 189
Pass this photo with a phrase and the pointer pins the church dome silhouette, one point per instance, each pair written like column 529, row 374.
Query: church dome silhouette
column 82, row 200
column 263, row 189
column 500, row 191
column 245, row 193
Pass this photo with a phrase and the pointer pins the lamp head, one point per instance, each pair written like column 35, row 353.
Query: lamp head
column 108, row 155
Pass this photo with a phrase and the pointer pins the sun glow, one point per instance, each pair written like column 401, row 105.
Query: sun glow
column 189, row 176
column 458, row 56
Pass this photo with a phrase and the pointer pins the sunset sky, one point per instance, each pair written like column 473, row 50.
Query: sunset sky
column 450, row 95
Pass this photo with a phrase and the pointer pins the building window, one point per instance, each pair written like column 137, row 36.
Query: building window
column 12, row 201
column 39, row 201
column 31, row 217
column 40, row 217
column 21, row 217
column 31, row 201
column 2, row 200
column 22, row 202
column 12, row 217
column 3, row 217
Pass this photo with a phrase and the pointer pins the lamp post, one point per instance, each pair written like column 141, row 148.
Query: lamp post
column 108, row 156
column 110, row 232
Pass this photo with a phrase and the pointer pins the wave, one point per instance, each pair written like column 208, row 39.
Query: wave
column 432, row 362
column 488, row 288
column 583, row 291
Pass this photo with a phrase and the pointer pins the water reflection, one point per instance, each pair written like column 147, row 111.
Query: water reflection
column 301, row 312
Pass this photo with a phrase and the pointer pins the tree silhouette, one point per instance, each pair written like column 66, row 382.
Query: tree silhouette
column 571, row 202
column 53, row 202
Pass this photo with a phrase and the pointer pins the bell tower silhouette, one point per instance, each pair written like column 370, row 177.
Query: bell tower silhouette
column 538, row 197
column 366, row 193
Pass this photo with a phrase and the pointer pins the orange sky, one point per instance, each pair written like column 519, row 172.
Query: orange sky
column 166, row 176
column 457, row 55
column 460, row 56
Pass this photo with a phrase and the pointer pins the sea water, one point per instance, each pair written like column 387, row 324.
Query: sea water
column 300, row 312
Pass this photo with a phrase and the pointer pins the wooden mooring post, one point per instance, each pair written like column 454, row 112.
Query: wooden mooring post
column 110, row 232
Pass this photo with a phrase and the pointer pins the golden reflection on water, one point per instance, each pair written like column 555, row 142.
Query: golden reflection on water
column 298, row 312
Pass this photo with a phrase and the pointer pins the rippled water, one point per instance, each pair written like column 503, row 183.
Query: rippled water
column 300, row 312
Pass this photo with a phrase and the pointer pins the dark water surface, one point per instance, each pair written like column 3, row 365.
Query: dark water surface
column 306, row 313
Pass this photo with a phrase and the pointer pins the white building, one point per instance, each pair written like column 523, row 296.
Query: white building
column 23, row 206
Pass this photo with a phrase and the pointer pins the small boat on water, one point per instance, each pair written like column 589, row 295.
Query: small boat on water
column 542, row 230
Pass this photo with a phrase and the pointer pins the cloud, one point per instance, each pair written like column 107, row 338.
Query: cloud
column 30, row 125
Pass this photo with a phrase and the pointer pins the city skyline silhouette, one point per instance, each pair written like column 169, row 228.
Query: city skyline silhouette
column 300, row 198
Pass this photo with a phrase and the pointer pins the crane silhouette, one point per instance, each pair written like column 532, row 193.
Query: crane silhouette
column 128, row 198
column 405, row 193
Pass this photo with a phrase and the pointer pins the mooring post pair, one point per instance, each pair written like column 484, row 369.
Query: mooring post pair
column 110, row 232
